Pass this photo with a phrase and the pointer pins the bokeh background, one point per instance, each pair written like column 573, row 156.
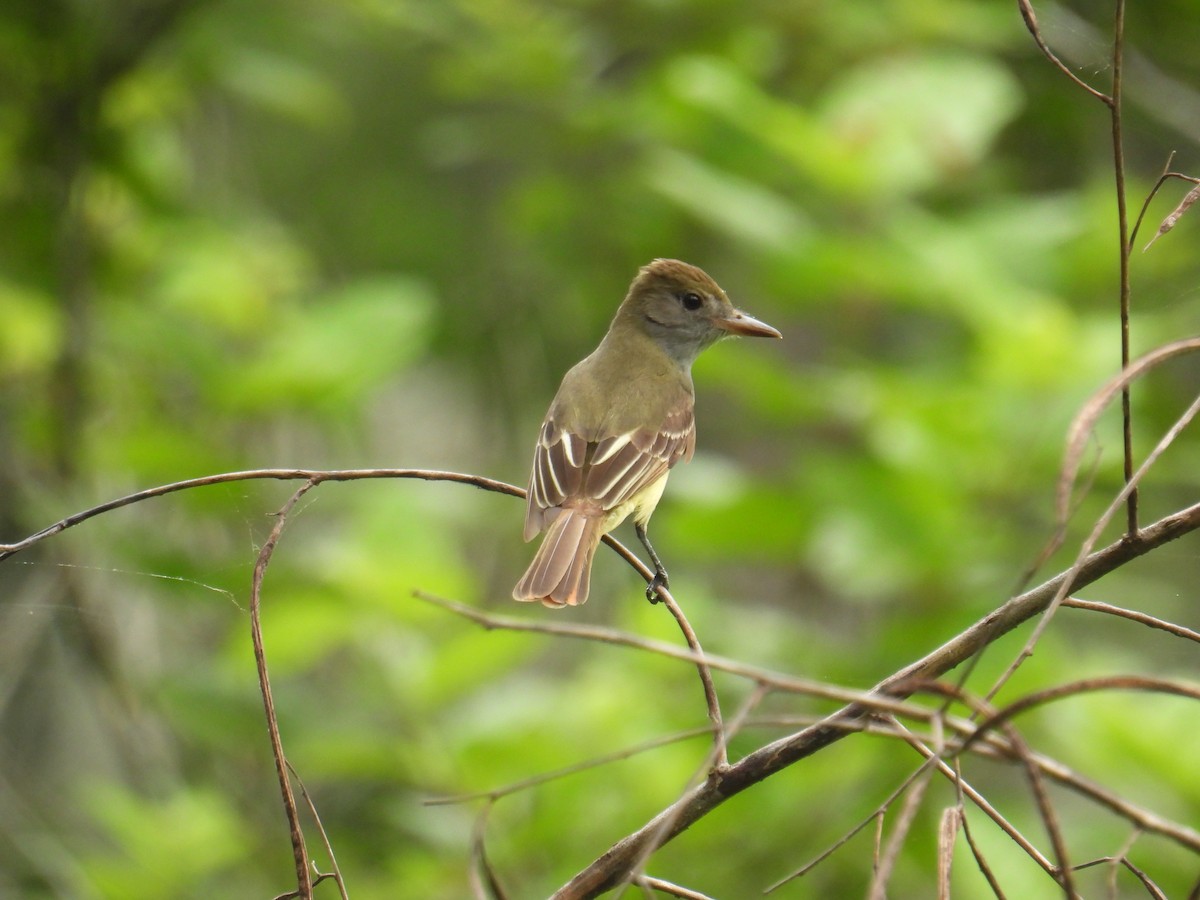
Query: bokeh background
column 375, row 233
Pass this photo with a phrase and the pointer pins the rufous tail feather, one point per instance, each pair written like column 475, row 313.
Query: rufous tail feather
column 561, row 571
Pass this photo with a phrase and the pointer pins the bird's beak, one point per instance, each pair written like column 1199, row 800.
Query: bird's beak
column 737, row 322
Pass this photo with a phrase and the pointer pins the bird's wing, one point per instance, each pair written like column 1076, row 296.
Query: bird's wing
column 603, row 473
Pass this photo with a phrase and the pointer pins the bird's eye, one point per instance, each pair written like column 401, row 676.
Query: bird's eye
column 691, row 300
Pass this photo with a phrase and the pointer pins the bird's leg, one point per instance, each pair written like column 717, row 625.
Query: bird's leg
column 660, row 579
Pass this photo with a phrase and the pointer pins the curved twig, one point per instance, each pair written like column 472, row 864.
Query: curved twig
column 1031, row 23
column 1088, row 685
column 316, row 476
column 1132, row 615
column 1084, row 423
column 720, row 753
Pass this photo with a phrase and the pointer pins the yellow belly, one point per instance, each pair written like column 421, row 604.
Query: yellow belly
column 641, row 505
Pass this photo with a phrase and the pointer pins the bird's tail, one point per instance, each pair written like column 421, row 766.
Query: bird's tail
column 561, row 571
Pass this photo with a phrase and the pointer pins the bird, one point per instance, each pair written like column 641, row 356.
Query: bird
column 622, row 418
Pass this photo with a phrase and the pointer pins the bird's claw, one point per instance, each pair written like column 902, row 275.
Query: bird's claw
column 659, row 581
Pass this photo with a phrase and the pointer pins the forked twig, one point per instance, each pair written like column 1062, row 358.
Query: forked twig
column 336, row 874
column 1174, row 216
column 876, row 815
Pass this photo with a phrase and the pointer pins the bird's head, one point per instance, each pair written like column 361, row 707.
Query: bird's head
column 684, row 310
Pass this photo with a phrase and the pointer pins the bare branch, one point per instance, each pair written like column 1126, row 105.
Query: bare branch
column 967, row 791
column 1172, row 219
column 304, row 883
column 336, row 874
column 311, row 475
column 1133, row 616
column 876, row 816
column 977, row 852
column 1031, row 24
column 708, row 774
column 908, row 813
column 1143, row 819
column 1089, row 685
column 720, row 754
column 1085, row 420
column 615, row 864
column 1062, row 870
column 776, row 680
column 532, row 782
column 1121, row 860
column 485, row 884
column 674, row 890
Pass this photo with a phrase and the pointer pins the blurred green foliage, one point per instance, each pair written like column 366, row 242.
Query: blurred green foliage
column 375, row 233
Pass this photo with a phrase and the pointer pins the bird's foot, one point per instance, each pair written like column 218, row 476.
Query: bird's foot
column 659, row 581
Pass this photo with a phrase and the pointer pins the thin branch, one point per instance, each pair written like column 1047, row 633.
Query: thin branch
column 997, row 747
column 976, row 851
column 1085, row 686
column 673, row 890
column 876, row 815
column 315, row 477
column 709, row 774
column 485, row 884
column 1079, row 435
column 1133, row 616
column 1084, row 423
column 776, row 680
column 1116, row 861
column 1118, row 151
column 310, row 475
column 304, row 883
column 1162, row 179
column 1062, row 870
column 1031, row 24
column 1113, row 102
column 908, row 813
column 720, row 753
column 1169, row 222
column 967, row 791
column 336, row 874
column 526, row 783
column 295, row 895
column 1141, row 818
column 1115, row 869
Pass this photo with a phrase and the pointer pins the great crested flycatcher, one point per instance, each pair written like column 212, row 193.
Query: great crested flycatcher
column 620, row 420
